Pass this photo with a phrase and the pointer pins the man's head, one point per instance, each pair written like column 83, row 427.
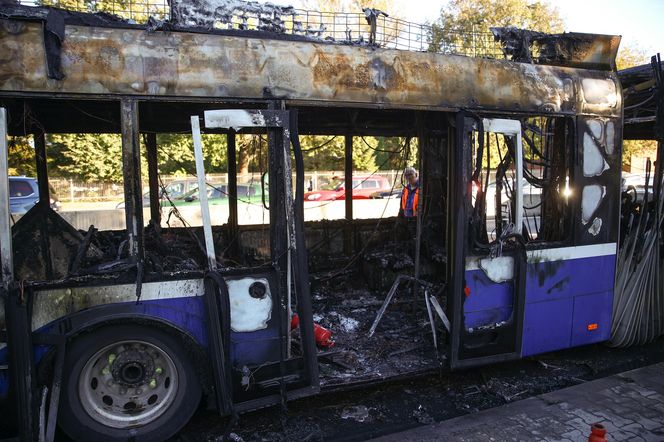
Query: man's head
column 410, row 174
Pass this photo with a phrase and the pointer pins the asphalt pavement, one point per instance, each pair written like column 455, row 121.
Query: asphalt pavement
column 629, row 406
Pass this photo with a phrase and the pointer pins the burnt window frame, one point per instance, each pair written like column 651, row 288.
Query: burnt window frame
column 572, row 162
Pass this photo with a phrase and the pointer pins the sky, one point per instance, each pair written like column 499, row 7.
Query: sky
column 635, row 20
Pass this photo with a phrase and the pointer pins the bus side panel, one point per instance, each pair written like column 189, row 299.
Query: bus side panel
column 185, row 313
column 487, row 302
column 568, row 303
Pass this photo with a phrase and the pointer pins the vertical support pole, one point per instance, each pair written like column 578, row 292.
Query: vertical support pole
column 348, row 188
column 131, row 168
column 19, row 338
column 153, row 179
column 233, row 231
column 348, row 177
column 205, row 208
column 422, row 151
column 42, row 172
column 280, row 230
column 301, row 267
column 458, row 170
column 518, row 219
column 44, row 201
column 5, row 217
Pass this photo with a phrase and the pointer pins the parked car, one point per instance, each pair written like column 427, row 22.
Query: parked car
column 174, row 190
column 363, row 188
column 24, row 193
column 390, row 193
column 217, row 193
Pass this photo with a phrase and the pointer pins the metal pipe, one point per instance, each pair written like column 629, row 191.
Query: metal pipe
column 153, row 178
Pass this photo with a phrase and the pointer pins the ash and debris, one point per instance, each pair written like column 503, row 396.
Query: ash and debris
column 421, row 415
column 211, row 14
column 359, row 413
column 166, row 251
column 523, row 45
column 402, row 344
column 400, row 405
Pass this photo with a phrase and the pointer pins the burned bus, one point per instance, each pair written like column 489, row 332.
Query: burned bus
column 512, row 252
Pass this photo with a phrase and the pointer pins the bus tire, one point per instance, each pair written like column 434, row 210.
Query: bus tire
column 127, row 382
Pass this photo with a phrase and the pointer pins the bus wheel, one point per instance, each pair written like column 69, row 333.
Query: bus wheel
column 127, row 382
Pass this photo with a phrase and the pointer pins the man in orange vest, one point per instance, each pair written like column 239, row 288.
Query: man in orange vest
column 410, row 193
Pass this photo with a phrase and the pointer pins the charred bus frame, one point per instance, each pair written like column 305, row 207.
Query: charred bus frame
column 123, row 78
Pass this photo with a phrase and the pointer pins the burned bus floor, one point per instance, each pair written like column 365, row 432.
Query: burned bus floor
column 349, row 294
column 402, row 345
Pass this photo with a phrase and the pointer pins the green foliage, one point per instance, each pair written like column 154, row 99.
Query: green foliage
column 638, row 148
column 327, row 153
column 630, row 56
column 464, row 26
column 138, row 11
column 90, row 157
column 21, row 157
column 175, row 154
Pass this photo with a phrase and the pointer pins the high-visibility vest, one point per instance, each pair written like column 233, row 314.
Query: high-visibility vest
column 404, row 199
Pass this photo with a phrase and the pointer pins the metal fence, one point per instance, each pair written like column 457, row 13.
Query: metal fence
column 74, row 191
column 371, row 27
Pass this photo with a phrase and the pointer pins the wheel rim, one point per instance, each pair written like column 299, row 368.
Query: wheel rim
column 128, row 384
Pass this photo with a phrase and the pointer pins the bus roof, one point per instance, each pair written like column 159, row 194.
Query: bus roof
column 109, row 60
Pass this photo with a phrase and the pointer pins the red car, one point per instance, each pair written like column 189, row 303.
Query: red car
column 363, row 188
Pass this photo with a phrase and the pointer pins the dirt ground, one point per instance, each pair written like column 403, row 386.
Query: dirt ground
column 389, row 407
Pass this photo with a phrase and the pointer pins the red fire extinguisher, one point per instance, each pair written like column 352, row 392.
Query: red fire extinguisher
column 597, row 433
column 322, row 335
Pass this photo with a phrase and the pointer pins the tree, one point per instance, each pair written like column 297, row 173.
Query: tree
column 385, row 34
column 327, row 153
column 90, row 157
column 21, row 157
column 464, row 26
column 175, row 154
column 630, row 56
column 138, row 11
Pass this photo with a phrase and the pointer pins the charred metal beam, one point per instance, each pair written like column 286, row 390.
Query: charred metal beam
column 44, row 201
column 348, row 176
column 301, row 268
column 21, row 362
column 574, row 49
column 153, row 178
column 348, row 193
column 457, row 227
column 131, row 166
column 6, row 253
column 42, row 172
column 17, row 319
column 233, row 246
column 123, row 62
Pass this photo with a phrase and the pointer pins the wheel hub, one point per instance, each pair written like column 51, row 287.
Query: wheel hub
column 128, row 384
column 132, row 368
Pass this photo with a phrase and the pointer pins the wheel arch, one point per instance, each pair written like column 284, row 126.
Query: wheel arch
column 87, row 321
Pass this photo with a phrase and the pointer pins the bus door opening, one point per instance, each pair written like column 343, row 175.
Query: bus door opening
column 249, row 311
column 487, row 269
